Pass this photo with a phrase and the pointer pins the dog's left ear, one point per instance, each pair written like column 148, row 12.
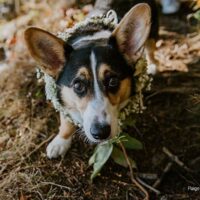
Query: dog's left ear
column 133, row 31
column 48, row 50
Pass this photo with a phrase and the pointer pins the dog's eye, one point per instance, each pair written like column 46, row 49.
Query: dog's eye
column 79, row 87
column 113, row 82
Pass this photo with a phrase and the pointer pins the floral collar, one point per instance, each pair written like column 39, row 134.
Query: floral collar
column 143, row 80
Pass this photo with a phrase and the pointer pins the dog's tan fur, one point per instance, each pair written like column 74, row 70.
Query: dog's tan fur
column 72, row 101
column 103, row 70
column 83, row 71
column 124, row 89
column 122, row 94
column 66, row 128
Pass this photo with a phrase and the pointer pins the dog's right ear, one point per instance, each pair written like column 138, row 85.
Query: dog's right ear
column 133, row 31
column 48, row 50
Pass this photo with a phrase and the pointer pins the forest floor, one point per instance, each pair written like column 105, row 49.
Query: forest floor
column 169, row 130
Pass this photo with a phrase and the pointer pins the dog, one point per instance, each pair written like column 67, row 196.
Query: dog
column 95, row 79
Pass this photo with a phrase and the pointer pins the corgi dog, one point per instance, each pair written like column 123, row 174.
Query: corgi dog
column 94, row 73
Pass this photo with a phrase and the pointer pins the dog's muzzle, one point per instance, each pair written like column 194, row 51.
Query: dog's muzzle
column 100, row 131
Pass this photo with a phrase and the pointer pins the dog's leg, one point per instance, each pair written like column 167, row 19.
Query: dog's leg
column 62, row 142
column 150, row 47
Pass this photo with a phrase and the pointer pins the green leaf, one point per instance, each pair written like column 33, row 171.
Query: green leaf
column 132, row 143
column 99, row 158
column 93, row 157
column 119, row 158
column 197, row 15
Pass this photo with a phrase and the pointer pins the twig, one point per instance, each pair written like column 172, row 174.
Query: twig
column 180, row 90
column 194, row 161
column 3, row 168
column 39, row 146
column 131, row 173
column 115, row 181
column 147, row 176
column 137, row 130
column 182, row 74
column 120, row 182
column 148, row 186
column 175, row 159
column 55, row 184
column 166, row 169
column 39, row 193
column 36, row 149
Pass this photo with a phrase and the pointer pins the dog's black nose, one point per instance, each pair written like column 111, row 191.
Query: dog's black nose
column 100, row 131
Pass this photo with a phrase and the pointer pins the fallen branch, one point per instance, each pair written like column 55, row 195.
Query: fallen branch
column 148, row 186
column 134, row 181
column 175, row 159
column 147, row 176
column 180, row 90
column 159, row 180
column 57, row 185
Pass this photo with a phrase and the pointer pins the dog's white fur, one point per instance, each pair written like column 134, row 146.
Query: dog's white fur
column 152, row 69
column 87, row 39
column 58, row 147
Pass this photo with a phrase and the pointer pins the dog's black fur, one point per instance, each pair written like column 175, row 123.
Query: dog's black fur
column 103, row 55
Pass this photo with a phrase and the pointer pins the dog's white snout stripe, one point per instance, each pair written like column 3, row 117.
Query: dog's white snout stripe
column 93, row 62
column 99, row 103
column 99, row 108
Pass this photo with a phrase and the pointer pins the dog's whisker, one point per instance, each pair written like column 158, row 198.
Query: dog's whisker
column 82, row 136
column 77, row 130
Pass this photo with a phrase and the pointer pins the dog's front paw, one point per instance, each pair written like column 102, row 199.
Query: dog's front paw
column 58, row 147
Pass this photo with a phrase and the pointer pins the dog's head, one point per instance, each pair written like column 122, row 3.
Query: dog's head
column 95, row 73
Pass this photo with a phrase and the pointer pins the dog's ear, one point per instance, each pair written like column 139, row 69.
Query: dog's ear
column 48, row 50
column 133, row 31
